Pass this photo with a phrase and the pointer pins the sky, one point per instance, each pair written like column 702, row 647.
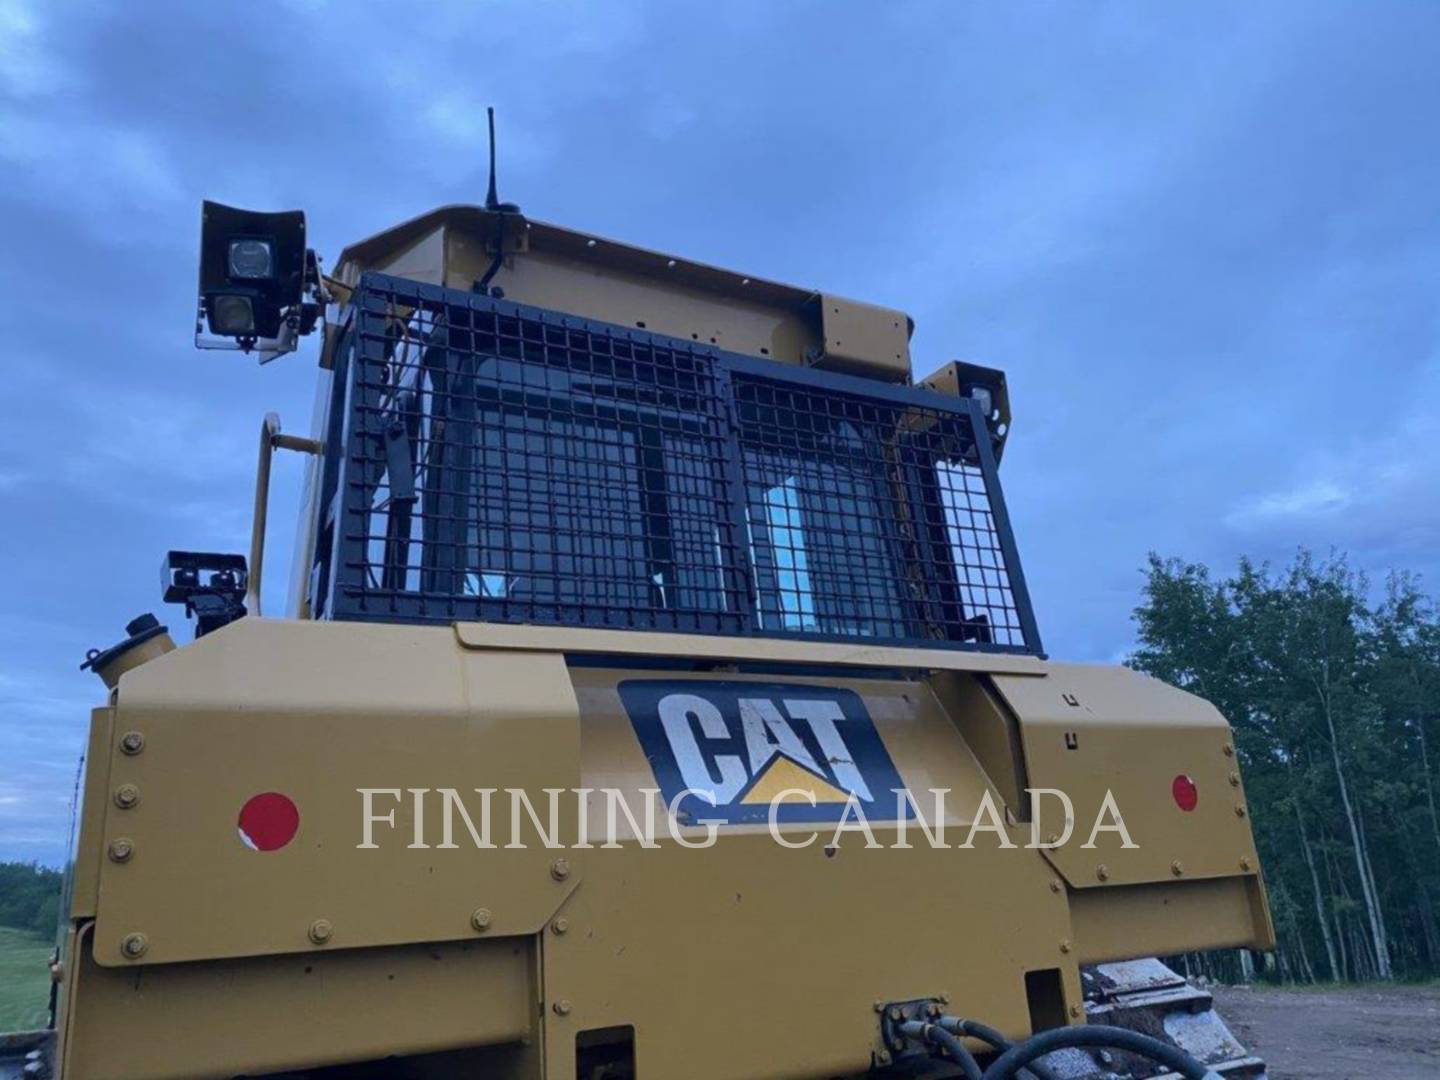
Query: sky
column 1203, row 240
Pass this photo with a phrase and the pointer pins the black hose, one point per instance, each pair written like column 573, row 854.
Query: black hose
column 1097, row 1036
column 933, row 1033
column 987, row 1034
column 983, row 1032
column 956, row 1049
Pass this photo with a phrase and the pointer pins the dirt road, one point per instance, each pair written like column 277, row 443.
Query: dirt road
column 1357, row 1033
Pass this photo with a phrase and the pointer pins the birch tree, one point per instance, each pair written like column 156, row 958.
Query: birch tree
column 1334, row 695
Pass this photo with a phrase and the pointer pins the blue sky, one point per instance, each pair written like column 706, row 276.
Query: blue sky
column 1204, row 241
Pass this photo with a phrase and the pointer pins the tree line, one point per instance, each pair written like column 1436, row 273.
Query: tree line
column 1334, row 695
column 29, row 897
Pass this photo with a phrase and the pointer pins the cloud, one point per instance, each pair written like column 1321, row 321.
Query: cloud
column 43, row 699
column 53, row 147
column 1373, row 489
column 669, row 114
column 40, row 743
column 126, row 442
column 1318, row 498
column 27, row 68
column 114, row 174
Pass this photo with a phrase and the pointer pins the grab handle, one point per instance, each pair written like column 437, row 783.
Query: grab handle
column 271, row 439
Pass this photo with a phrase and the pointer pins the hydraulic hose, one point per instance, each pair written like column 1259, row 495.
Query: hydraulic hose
column 987, row 1034
column 933, row 1033
column 956, row 1049
column 1087, row 1036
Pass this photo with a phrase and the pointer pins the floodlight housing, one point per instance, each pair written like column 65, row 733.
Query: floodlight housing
column 252, row 279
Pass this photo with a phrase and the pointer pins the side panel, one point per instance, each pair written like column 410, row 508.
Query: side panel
column 315, row 711
column 863, row 338
column 1090, row 731
column 257, row 1015
column 1147, row 920
column 89, row 854
column 991, row 731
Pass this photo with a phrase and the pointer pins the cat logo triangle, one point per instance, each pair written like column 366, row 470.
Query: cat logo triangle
column 784, row 775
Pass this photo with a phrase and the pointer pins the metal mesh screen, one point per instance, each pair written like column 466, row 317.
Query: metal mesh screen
column 503, row 463
column 869, row 518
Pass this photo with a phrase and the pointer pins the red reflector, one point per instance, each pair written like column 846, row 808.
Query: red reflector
column 268, row 821
column 1187, row 795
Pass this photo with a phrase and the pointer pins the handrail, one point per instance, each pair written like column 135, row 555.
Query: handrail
column 270, row 438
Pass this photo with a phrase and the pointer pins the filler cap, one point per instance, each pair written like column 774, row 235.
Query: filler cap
column 146, row 639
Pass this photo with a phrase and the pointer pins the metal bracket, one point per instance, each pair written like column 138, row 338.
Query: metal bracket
column 895, row 1013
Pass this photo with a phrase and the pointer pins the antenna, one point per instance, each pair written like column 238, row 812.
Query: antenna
column 492, row 199
column 495, row 206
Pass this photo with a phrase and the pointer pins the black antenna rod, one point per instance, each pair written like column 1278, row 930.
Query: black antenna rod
column 492, row 197
column 492, row 200
column 495, row 206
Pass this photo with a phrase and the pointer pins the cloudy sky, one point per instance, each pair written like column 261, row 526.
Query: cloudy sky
column 1204, row 240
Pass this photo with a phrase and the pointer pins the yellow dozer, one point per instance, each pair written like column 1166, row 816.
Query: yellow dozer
column 660, row 697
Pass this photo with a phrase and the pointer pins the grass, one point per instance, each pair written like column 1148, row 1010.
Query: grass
column 24, row 980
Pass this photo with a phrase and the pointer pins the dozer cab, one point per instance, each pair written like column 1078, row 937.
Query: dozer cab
column 660, row 698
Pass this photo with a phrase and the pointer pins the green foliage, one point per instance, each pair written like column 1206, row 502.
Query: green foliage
column 29, row 912
column 24, row 981
column 1335, row 701
column 29, row 898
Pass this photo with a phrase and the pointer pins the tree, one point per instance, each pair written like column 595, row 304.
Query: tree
column 29, row 897
column 1335, row 705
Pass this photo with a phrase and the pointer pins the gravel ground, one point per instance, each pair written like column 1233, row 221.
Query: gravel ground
column 1351, row 1033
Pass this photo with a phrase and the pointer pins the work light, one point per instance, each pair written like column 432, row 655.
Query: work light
column 251, row 259
column 231, row 315
column 984, row 398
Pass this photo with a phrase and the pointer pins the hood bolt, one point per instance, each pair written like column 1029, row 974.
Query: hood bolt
column 121, row 848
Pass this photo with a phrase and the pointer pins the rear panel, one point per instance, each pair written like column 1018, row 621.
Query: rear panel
column 775, row 951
